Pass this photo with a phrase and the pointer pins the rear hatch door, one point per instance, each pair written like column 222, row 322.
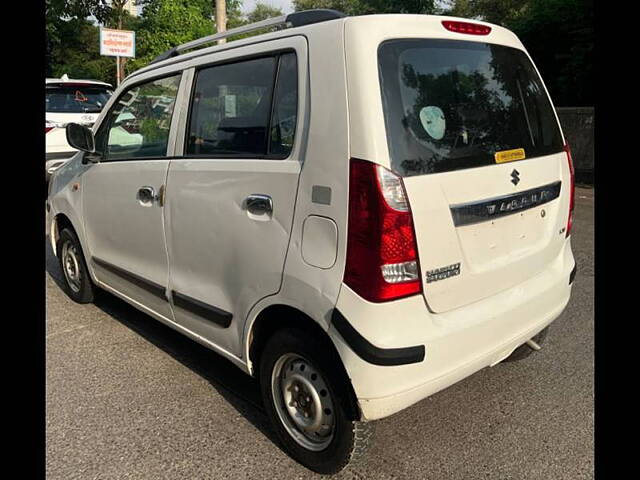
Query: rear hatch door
column 471, row 129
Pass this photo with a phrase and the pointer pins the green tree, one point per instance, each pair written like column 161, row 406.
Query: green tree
column 73, row 40
column 79, row 55
column 165, row 24
column 57, row 15
column 500, row 12
column 364, row 7
column 262, row 11
column 559, row 37
column 557, row 33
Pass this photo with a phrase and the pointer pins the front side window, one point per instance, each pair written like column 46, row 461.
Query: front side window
column 237, row 112
column 138, row 124
column 450, row 105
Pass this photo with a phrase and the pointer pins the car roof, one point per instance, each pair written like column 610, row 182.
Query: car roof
column 65, row 79
column 359, row 22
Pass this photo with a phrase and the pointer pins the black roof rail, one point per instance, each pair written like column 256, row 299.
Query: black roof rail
column 307, row 17
column 295, row 19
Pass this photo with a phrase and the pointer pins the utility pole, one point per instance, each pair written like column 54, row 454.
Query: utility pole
column 221, row 18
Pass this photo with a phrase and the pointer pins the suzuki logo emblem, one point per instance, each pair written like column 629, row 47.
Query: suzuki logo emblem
column 515, row 177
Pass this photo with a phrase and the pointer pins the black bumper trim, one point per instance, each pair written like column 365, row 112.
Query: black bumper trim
column 201, row 309
column 151, row 287
column 369, row 352
column 572, row 275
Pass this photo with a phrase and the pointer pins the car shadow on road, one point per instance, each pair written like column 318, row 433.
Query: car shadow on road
column 240, row 390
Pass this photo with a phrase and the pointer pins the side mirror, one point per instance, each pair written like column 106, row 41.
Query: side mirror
column 80, row 137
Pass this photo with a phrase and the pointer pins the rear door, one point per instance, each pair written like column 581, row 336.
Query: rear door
column 471, row 129
column 231, row 196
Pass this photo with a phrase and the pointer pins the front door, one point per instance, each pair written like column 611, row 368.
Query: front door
column 231, row 197
column 122, row 195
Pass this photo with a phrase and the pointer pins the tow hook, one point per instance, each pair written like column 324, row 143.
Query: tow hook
column 533, row 345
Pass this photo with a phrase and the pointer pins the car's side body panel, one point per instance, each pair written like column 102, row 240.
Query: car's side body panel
column 311, row 289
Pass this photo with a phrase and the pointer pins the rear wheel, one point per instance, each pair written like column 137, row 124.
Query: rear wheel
column 310, row 404
column 524, row 350
column 77, row 282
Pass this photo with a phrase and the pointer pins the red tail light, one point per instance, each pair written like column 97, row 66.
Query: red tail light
column 382, row 257
column 572, row 191
column 466, row 27
column 47, row 129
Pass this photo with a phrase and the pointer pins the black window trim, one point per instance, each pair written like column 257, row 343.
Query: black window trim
column 277, row 54
column 106, row 119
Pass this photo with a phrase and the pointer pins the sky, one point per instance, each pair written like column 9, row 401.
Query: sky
column 285, row 5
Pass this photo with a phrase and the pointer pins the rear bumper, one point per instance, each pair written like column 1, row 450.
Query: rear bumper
column 456, row 343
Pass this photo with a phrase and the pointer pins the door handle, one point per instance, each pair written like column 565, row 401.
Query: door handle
column 259, row 205
column 146, row 195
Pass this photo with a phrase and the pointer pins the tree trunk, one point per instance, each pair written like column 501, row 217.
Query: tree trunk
column 221, row 18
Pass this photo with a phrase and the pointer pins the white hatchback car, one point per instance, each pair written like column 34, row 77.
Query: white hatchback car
column 358, row 211
column 68, row 100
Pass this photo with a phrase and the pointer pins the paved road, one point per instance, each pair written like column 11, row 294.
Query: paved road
column 128, row 397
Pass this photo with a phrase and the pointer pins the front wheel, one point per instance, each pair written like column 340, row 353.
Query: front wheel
column 309, row 403
column 77, row 282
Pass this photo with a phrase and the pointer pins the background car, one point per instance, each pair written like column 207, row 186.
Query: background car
column 68, row 100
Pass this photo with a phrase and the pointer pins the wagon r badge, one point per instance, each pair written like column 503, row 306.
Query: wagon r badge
column 443, row 272
column 515, row 177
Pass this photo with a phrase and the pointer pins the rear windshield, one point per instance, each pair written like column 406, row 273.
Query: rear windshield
column 76, row 99
column 451, row 105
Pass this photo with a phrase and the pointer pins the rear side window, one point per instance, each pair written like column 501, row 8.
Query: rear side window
column 246, row 109
column 138, row 124
column 451, row 105
column 76, row 98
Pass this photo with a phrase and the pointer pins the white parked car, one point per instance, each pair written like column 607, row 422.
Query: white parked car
column 358, row 211
column 68, row 100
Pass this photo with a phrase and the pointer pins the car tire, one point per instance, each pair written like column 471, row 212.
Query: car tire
column 300, row 376
column 524, row 350
column 77, row 282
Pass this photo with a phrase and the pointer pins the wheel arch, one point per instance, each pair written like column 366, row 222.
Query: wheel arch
column 60, row 222
column 279, row 316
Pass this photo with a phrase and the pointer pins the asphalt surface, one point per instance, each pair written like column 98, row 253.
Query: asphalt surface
column 127, row 397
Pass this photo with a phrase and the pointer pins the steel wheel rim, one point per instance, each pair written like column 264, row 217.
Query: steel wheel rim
column 71, row 266
column 303, row 402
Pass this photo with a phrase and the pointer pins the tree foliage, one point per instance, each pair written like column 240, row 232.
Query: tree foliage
column 364, row 7
column 500, row 12
column 262, row 11
column 557, row 33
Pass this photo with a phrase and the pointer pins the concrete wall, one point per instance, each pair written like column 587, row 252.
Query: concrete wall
column 577, row 126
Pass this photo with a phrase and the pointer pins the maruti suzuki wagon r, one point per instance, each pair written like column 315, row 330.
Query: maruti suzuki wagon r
column 358, row 211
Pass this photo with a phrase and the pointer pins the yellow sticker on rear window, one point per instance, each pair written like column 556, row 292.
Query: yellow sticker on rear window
column 509, row 155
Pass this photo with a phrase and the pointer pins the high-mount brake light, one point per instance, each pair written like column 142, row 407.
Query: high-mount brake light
column 572, row 193
column 382, row 256
column 466, row 27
